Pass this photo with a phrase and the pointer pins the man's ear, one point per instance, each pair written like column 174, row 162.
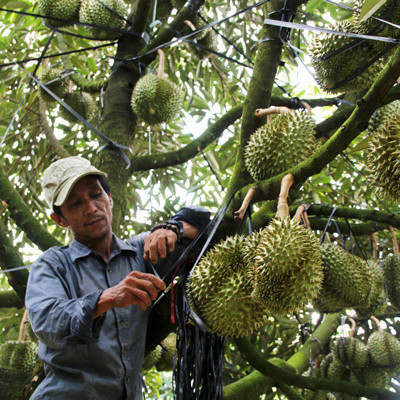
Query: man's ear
column 59, row 220
column 111, row 200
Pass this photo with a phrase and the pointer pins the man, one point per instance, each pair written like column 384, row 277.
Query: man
column 88, row 302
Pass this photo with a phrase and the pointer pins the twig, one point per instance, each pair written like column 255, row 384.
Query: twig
column 160, row 71
column 283, row 208
column 374, row 246
column 239, row 214
column 394, row 239
column 22, row 326
column 262, row 112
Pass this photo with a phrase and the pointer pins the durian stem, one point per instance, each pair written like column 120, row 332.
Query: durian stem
column 302, row 213
column 307, row 107
column 353, row 326
column 299, row 213
column 374, row 246
column 394, row 239
column 262, row 112
column 377, row 323
column 160, row 71
column 190, row 24
column 283, row 208
column 22, row 326
column 239, row 214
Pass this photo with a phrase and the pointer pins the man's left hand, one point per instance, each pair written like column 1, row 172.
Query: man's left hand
column 158, row 244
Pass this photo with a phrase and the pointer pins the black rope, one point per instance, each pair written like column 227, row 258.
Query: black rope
column 212, row 169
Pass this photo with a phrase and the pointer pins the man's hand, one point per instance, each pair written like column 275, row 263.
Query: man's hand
column 137, row 288
column 158, row 244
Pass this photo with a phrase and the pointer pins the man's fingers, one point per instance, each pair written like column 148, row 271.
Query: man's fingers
column 143, row 278
column 158, row 243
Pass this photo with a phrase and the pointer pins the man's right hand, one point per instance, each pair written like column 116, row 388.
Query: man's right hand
column 137, row 288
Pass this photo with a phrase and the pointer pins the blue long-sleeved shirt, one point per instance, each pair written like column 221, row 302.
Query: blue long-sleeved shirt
column 87, row 358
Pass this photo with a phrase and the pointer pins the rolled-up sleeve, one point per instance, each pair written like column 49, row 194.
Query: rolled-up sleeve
column 58, row 319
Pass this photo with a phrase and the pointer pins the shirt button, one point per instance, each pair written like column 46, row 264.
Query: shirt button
column 109, row 271
column 121, row 322
column 127, row 379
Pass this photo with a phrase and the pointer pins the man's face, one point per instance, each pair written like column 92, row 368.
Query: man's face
column 87, row 211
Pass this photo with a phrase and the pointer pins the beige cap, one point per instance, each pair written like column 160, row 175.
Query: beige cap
column 61, row 176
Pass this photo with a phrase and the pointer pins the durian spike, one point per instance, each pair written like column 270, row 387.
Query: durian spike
column 353, row 326
column 239, row 214
column 160, row 71
column 22, row 326
column 374, row 247
column 262, row 112
column 377, row 323
column 394, row 239
column 283, row 208
column 307, row 107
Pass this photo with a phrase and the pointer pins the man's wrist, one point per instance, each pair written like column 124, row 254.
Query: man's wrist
column 174, row 226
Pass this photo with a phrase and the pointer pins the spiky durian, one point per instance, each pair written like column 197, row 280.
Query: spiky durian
column 336, row 59
column 67, row 10
column 347, row 279
column 18, row 355
column 384, row 350
column 287, row 271
column 156, row 100
column 55, row 81
column 220, row 289
column 82, row 103
column 391, row 268
column 336, row 370
column 207, row 40
column 277, row 146
column 168, row 346
column 350, row 352
column 382, row 114
column 383, row 159
column 372, row 377
column 152, row 358
column 107, row 14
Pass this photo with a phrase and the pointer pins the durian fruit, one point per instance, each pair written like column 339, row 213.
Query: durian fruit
column 18, row 355
column 384, row 350
column 287, row 271
column 67, row 10
column 168, row 347
column 373, row 377
column 82, row 103
column 279, row 145
column 58, row 84
column 332, row 66
column 219, row 291
column 382, row 114
column 152, row 358
column 207, row 39
column 347, row 280
column 391, row 268
column 350, row 352
column 156, row 99
column 113, row 16
column 383, row 159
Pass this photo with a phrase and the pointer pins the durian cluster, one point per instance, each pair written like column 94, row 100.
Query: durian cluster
column 156, row 99
column 107, row 16
column 382, row 159
column 340, row 61
column 18, row 355
column 350, row 359
column 81, row 102
column 279, row 145
column 349, row 282
column 244, row 279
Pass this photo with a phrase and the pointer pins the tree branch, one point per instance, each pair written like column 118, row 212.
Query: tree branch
column 10, row 299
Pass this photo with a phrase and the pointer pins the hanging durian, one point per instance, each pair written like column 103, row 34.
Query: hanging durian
column 287, row 270
column 350, row 352
column 372, row 377
column 18, row 355
column 82, row 103
column 56, row 82
column 219, row 291
column 156, row 99
column 152, row 358
column 336, row 59
column 107, row 13
column 382, row 114
column 67, row 10
column 383, row 159
column 279, row 145
column 391, row 267
column 168, row 346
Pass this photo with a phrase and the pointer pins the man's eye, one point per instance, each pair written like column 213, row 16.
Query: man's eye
column 75, row 204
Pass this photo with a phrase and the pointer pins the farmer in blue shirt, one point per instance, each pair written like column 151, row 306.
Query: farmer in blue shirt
column 88, row 302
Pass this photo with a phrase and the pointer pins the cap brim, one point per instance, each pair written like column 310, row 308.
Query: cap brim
column 69, row 184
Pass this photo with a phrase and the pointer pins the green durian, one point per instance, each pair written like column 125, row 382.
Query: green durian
column 82, row 103
column 152, row 358
column 391, row 268
column 207, row 39
column 279, row 145
column 350, row 352
column 220, row 289
column 58, row 84
column 18, row 355
column 94, row 12
column 67, row 10
column 382, row 114
column 383, row 159
column 373, row 377
column 384, row 350
column 168, row 346
column 287, row 271
column 336, row 370
column 156, row 100
column 332, row 68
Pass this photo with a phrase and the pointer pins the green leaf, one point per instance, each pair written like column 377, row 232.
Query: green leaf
column 369, row 7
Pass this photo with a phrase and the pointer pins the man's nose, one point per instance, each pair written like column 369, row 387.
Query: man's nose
column 90, row 207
